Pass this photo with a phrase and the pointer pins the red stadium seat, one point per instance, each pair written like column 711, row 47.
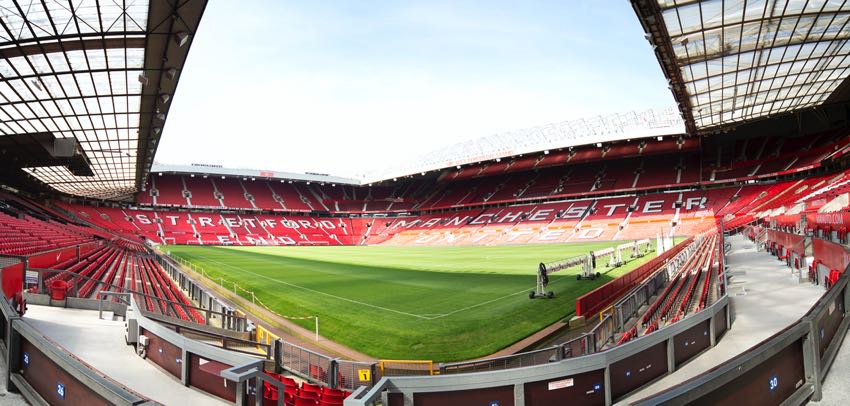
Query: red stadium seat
column 308, row 394
column 331, row 391
column 304, row 401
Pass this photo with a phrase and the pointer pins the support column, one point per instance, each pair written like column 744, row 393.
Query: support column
column 519, row 394
column 240, row 393
column 26, row 264
column 333, row 373
column 671, row 359
column 712, row 333
column 13, row 351
column 847, row 298
column 729, row 315
column 278, row 356
column 184, row 367
column 811, row 360
column 258, row 392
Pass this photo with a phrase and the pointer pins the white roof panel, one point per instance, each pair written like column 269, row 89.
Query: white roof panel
column 741, row 60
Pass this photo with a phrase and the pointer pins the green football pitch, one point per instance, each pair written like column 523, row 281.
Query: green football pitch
column 433, row 303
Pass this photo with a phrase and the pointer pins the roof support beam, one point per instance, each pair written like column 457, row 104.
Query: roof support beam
column 649, row 15
column 72, row 45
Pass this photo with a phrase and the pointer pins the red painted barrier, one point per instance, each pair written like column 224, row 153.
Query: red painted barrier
column 49, row 259
column 834, row 256
column 607, row 294
column 13, row 279
column 784, row 220
column 790, row 241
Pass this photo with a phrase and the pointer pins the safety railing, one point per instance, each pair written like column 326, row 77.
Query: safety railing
column 602, row 333
column 603, row 297
column 526, row 359
column 353, row 374
column 214, row 338
column 193, row 360
column 308, row 364
column 628, row 307
column 577, row 347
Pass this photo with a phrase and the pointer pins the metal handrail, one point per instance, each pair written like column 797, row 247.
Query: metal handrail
column 221, row 337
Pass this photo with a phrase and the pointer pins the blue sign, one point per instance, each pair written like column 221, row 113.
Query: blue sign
column 26, row 359
column 60, row 390
column 773, row 383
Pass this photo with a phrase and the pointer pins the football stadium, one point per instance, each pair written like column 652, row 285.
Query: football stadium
column 688, row 254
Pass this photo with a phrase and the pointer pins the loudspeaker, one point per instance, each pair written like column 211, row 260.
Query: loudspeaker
column 64, row 147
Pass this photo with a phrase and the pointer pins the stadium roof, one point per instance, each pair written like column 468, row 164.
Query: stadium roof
column 730, row 61
column 218, row 170
column 98, row 73
column 586, row 131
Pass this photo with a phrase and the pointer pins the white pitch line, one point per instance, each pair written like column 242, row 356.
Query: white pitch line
column 429, row 316
column 319, row 292
column 479, row 304
column 488, row 302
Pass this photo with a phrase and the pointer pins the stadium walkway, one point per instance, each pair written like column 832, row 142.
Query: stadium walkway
column 764, row 301
column 7, row 398
column 100, row 343
column 835, row 385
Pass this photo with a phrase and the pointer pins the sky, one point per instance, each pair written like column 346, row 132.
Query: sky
column 348, row 87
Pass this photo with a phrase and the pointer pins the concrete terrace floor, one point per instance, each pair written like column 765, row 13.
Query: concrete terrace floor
column 100, row 343
column 8, row 398
column 765, row 300
column 835, row 385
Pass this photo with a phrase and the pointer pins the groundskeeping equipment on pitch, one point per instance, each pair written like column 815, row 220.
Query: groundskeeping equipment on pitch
column 588, row 264
column 544, row 269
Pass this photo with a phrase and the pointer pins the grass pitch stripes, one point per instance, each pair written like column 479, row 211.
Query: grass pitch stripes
column 436, row 303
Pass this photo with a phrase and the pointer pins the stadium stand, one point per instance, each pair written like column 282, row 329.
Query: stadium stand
column 305, row 393
column 603, row 218
column 626, row 168
column 782, row 182
column 200, row 192
column 23, row 234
